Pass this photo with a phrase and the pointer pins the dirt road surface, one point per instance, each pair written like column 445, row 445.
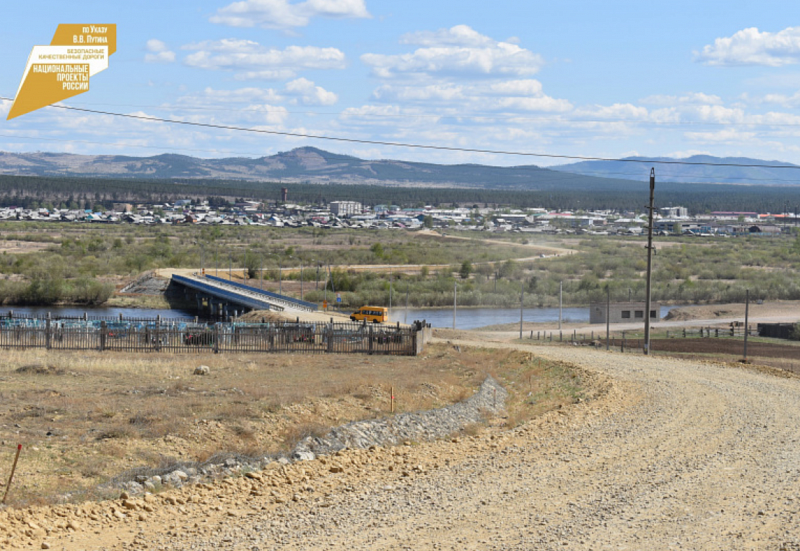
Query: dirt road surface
column 668, row 454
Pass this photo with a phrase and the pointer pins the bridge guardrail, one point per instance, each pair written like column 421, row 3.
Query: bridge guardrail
column 229, row 295
column 309, row 305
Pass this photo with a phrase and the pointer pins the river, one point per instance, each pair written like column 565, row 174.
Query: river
column 77, row 311
column 472, row 318
column 466, row 318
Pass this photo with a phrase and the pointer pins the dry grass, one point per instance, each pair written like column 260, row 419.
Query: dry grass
column 83, row 418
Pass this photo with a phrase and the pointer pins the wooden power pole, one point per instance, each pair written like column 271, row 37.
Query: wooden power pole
column 649, row 262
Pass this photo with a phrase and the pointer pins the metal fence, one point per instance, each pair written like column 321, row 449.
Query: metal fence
column 169, row 336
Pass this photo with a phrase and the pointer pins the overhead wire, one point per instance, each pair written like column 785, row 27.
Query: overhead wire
column 407, row 144
column 470, row 116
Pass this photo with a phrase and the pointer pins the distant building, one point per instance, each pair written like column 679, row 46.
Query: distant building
column 674, row 212
column 345, row 208
column 623, row 312
column 122, row 207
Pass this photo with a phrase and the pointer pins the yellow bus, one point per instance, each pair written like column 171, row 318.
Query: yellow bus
column 375, row 314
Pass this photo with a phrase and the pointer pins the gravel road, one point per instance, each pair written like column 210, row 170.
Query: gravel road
column 672, row 455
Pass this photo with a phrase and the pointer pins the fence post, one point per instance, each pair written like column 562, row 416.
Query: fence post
column 370, row 339
column 684, row 332
column 216, row 338
column 158, row 333
column 622, row 346
column 103, row 335
column 330, row 337
column 47, row 332
column 560, row 336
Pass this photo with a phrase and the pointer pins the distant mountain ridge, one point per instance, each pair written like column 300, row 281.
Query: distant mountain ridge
column 312, row 165
column 301, row 165
column 703, row 171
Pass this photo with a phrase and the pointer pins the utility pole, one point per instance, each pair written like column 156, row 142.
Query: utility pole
column 280, row 277
column 261, row 278
column 521, row 300
column 405, row 316
column 746, row 320
column 649, row 263
column 301, row 280
column 390, row 291
column 560, row 302
column 608, row 314
column 455, row 290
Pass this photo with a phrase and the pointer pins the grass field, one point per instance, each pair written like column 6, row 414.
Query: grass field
column 83, row 418
column 48, row 263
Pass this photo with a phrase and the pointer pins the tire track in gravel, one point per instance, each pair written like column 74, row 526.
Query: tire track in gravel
column 676, row 455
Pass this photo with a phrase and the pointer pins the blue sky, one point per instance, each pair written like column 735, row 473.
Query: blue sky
column 608, row 79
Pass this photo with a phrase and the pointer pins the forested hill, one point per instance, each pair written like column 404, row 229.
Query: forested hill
column 703, row 169
column 302, row 165
column 29, row 191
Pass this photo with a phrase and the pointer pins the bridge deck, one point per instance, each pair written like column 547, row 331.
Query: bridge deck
column 244, row 295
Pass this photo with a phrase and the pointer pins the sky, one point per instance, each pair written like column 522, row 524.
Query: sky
column 582, row 78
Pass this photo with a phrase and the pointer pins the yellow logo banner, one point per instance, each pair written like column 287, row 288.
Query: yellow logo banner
column 62, row 69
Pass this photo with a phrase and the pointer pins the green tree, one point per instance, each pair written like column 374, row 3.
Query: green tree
column 466, row 269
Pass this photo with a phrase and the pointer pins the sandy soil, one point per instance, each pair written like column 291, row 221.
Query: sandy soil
column 20, row 247
column 670, row 455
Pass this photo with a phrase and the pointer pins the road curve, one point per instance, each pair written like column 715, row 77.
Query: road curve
column 671, row 454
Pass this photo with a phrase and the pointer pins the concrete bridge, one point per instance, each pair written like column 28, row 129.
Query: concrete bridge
column 224, row 298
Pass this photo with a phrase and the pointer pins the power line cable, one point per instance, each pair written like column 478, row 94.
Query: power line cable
column 406, row 144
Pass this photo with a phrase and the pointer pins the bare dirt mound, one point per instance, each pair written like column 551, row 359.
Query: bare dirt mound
column 705, row 312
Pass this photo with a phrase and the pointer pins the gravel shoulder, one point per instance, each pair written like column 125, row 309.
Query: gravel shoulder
column 669, row 454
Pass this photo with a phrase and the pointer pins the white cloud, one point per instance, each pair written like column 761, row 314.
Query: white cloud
column 727, row 135
column 275, row 74
column 691, row 98
column 780, row 99
column 158, row 52
column 624, row 111
column 455, row 52
column 460, row 35
column 308, row 93
column 256, row 61
column 210, row 95
column 719, row 114
column 468, row 99
column 751, row 47
column 5, row 107
column 244, row 104
column 281, row 14
column 440, row 92
column 687, row 153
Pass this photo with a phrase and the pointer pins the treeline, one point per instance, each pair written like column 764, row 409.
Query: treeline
column 567, row 194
